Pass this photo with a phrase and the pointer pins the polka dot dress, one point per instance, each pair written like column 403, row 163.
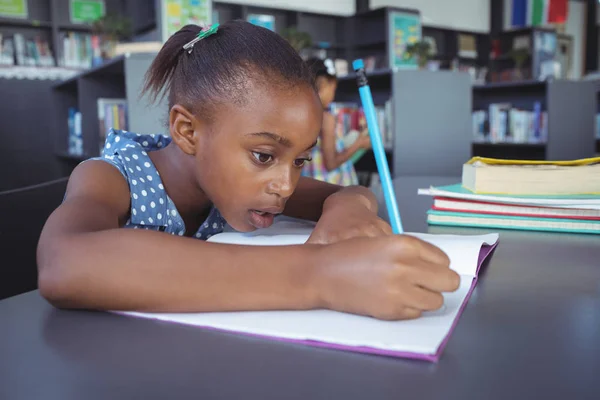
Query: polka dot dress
column 151, row 207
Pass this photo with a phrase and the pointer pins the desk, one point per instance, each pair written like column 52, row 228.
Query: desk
column 530, row 330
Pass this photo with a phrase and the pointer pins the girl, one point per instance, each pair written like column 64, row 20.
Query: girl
column 243, row 118
column 330, row 160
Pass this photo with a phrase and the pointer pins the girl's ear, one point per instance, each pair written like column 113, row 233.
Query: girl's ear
column 320, row 83
column 183, row 128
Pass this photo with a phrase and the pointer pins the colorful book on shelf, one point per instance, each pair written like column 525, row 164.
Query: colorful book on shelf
column 521, row 177
column 421, row 338
column 504, row 123
column 112, row 113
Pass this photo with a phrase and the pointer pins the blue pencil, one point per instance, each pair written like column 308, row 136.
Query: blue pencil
column 377, row 143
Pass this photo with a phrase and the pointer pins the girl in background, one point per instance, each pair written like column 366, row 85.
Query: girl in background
column 331, row 160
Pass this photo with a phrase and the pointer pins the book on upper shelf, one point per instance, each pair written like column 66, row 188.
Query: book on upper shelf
column 503, row 123
column 79, row 50
column 21, row 51
column 519, row 177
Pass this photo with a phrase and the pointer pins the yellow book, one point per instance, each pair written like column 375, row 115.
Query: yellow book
column 526, row 177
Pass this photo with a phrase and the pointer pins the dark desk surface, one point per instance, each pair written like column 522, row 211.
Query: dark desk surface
column 530, row 330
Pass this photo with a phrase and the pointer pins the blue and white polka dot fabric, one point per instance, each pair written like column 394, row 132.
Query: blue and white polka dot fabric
column 151, row 207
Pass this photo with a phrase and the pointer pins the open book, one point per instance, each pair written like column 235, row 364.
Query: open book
column 422, row 338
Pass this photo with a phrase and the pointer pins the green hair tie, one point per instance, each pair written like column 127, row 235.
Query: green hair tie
column 203, row 33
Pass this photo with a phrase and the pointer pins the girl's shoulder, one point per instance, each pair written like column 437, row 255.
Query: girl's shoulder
column 118, row 139
column 123, row 148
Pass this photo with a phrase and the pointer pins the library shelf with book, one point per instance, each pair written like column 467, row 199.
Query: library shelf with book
column 103, row 97
column 421, row 124
column 48, row 37
column 534, row 120
column 417, row 95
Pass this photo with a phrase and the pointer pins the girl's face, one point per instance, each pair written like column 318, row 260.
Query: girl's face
column 249, row 162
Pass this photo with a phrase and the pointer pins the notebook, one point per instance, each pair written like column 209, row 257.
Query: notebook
column 571, row 225
column 457, row 191
column 423, row 338
column 520, row 177
column 480, row 207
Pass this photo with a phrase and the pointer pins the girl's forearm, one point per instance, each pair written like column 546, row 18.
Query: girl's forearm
column 123, row 269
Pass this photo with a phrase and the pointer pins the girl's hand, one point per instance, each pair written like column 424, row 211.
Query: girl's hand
column 390, row 278
column 348, row 214
column 364, row 141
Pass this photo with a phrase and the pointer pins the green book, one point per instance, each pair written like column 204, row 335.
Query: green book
column 447, row 218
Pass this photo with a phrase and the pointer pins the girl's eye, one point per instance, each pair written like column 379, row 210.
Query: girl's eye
column 299, row 162
column 262, row 157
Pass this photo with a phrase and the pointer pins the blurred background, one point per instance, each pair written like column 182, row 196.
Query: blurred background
column 451, row 79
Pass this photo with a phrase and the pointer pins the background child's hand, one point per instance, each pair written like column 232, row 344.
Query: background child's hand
column 364, row 141
column 391, row 278
column 344, row 218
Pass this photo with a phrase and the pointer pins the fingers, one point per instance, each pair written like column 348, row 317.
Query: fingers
column 434, row 278
column 398, row 313
column 422, row 299
column 416, row 247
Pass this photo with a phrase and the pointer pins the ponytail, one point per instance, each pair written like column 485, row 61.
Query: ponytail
column 222, row 66
column 160, row 74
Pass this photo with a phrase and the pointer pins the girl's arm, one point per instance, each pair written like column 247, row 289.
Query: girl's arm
column 331, row 157
column 86, row 261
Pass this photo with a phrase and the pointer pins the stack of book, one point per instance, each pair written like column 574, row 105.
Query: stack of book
column 561, row 196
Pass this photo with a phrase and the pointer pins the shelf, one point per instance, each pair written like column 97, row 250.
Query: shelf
column 507, row 144
column 72, row 157
column 510, row 151
column 383, row 72
column 75, row 27
column 511, row 85
column 111, row 67
column 24, row 23
column 374, row 43
column 331, row 46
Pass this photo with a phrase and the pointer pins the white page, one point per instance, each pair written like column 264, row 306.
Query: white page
column 423, row 335
column 462, row 250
